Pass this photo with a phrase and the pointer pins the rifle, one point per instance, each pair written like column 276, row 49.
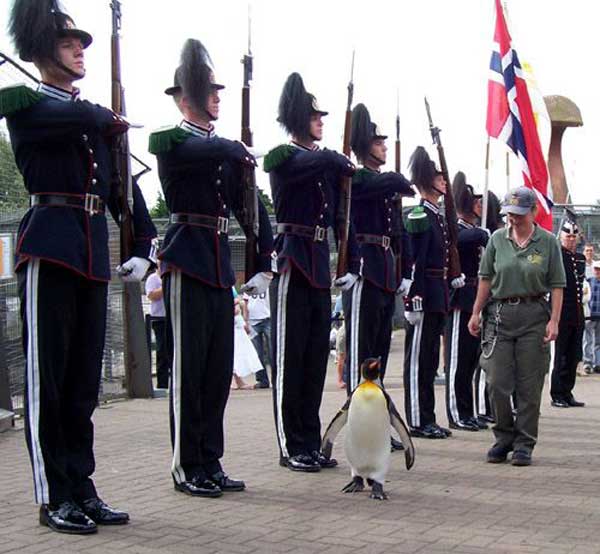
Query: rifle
column 343, row 215
column 449, row 208
column 399, row 224
column 137, row 359
column 249, row 213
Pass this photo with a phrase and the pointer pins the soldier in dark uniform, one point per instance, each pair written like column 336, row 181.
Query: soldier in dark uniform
column 304, row 184
column 369, row 306
column 483, row 407
column 426, row 303
column 568, row 348
column 62, row 148
column 201, row 176
column 462, row 348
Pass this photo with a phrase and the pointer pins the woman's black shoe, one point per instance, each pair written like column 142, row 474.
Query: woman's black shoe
column 68, row 518
column 102, row 514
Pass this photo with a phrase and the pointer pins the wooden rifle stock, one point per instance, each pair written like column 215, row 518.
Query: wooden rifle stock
column 449, row 207
column 249, row 211
column 345, row 202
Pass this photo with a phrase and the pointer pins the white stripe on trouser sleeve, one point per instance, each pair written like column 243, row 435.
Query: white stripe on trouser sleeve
column 355, row 334
column 415, row 352
column 482, row 406
column 175, row 312
column 282, row 292
column 454, row 345
column 42, row 493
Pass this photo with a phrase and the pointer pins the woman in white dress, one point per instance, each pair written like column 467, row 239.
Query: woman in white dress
column 245, row 357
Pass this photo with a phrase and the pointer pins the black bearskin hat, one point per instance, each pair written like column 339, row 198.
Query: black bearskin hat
column 35, row 25
column 194, row 77
column 464, row 196
column 423, row 170
column 364, row 132
column 494, row 218
column 296, row 106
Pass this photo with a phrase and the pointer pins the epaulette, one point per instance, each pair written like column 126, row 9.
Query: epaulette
column 277, row 156
column 17, row 97
column 165, row 138
column 417, row 220
column 361, row 174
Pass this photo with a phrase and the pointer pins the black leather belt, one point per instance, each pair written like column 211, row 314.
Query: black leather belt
column 380, row 240
column 91, row 203
column 513, row 300
column 317, row 233
column 218, row 224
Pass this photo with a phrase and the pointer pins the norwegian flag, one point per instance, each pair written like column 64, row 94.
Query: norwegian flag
column 510, row 116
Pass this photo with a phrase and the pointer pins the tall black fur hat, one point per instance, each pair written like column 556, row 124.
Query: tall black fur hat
column 464, row 195
column 194, row 77
column 423, row 170
column 35, row 26
column 494, row 218
column 364, row 132
column 296, row 106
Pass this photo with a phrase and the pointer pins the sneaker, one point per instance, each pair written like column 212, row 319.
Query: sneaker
column 498, row 454
column 521, row 458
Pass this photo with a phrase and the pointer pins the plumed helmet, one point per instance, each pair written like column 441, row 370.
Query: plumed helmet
column 36, row 25
column 194, row 77
column 494, row 218
column 296, row 106
column 364, row 132
column 464, row 195
column 423, row 170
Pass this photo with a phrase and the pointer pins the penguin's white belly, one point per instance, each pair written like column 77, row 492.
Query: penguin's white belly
column 368, row 433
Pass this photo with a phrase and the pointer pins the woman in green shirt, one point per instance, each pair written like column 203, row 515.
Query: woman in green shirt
column 521, row 267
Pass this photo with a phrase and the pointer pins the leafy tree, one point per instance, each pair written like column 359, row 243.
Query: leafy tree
column 159, row 210
column 13, row 195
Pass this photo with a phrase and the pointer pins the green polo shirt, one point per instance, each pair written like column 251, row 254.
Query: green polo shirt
column 529, row 271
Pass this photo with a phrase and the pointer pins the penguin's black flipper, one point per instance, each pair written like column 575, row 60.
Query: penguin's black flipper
column 398, row 424
column 334, row 428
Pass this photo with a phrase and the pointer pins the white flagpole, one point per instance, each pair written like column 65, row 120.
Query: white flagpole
column 486, row 186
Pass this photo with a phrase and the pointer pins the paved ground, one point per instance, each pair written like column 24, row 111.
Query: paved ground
column 451, row 501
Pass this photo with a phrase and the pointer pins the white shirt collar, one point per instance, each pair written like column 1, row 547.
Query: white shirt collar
column 58, row 93
column 197, row 130
column 468, row 225
column 435, row 209
column 302, row 147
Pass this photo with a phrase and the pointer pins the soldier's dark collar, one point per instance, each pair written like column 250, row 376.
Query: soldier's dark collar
column 468, row 225
column 435, row 209
column 302, row 147
column 58, row 93
column 197, row 130
column 371, row 169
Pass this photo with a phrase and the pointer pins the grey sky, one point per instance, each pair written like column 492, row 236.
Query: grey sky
column 437, row 47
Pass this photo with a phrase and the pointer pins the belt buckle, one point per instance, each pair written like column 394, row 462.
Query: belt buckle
column 513, row 301
column 319, row 234
column 222, row 225
column 385, row 242
column 91, row 203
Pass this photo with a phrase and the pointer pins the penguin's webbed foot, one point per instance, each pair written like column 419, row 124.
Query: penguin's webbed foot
column 377, row 491
column 356, row 485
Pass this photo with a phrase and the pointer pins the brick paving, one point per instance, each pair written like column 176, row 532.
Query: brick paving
column 451, row 501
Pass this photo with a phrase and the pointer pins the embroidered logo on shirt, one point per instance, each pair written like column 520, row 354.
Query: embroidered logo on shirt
column 535, row 258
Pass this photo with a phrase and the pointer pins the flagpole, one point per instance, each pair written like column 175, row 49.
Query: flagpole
column 484, row 207
column 507, row 171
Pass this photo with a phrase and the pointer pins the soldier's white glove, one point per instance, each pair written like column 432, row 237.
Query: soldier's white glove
column 258, row 284
column 346, row 282
column 134, row 269
column 417, row 304
column 414, row 317
column 404, row 287
column 458, row 282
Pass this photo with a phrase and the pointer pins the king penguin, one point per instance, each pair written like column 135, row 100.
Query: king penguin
column 370, row 414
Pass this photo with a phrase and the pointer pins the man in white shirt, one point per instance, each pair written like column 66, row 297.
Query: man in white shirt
column 259, row 318
column 154, row 292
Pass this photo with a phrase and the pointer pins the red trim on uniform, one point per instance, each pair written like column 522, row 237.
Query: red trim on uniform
column 170, row 267
column 27, row 257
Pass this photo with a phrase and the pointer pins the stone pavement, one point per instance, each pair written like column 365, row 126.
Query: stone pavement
column 451, row 501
